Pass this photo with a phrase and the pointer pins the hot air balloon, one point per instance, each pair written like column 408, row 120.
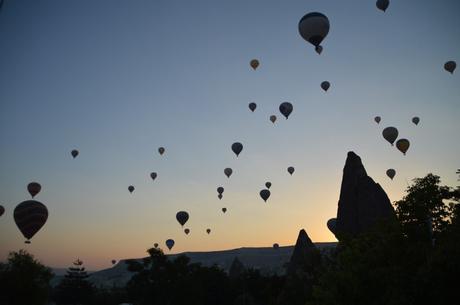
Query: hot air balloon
column 74, row 153
column 273, row 118
column 268, row 185
column 224, row 210
column 377, row 119
column 415, row 120
column 319, row 49
column 450, row 66
column 169, row 243
column 237, row 147
column 186, row 231
column 161, row 150
column 114, row 262
column 220, row 196
column 314, row 27
column 290, row 170
column 276, row 246
column 403, row 145
column 286, row 109
column 155, row 245
column 2, row 210
column 30, row 216
column 390, row 134
column 391, row 173
column 153, row 175
column 34, row 188
column 220, row 190
column 228, row 172
column 182, row 217
column 331, row 225
column 254, row 63
column 131, row 189
column 265, row 194
column 382, row 4
column 252, row 106
column 325, row 85
column 208, row 231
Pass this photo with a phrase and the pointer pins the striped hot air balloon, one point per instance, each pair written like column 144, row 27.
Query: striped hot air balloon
column 30, row 216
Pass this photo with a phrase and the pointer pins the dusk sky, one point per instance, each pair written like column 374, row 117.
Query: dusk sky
column 118, row 79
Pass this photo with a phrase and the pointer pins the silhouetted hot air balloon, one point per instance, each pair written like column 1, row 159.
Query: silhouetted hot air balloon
column 131, row 189
column 170, row 244
column 224, row 210
column 319, row 49
column 314, row 27
column 237, row 147
column 153, row 175
column 208, row 231
column 450, row 66
column 391, row 173
column 290, row 170
column 228, row 172
column 390, row 134
column 161, row 150
column 382, row 4
column 155, row 245
column 273, row 118
column 220, row 196
column 268, row 185
column 276, row 246
column 286, row 109
column 377, row 119
column 220, row 190
column 325, row 85
column 34, row 188
column 254, row 63
column 74, row 153
column 182, row 217
column 186, row 231
column 331, row 225
column 415, row 120
column 265, row 194
column 403, row 145
column 252, row 106
column 30, row 216
column 2, row 210
column 114, row 262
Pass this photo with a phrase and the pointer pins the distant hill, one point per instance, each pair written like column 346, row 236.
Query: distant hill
column 267, row 260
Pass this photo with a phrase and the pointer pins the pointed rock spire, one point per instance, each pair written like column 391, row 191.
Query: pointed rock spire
column 305, row 256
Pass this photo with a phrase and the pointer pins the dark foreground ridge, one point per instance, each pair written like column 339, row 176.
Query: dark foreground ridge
column 362, row 202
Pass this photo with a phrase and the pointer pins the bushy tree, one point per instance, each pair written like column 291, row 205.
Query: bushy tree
column 24, row 280
column 75, row 288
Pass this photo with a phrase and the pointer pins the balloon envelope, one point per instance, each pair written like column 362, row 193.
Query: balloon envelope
column 208, row 231
column 390, row 134
column 155, row 245
column 286, row 109
column 187, row 231
column 153, row 175
column 220, row 196
column 325, row 85
column 252, row 106
column 276, row 246
column 182, row 217
column 265, row 194
column 377, row 119
column 220, row 190
column 228, row 172
column 34, row 188
column 403, row 145
column 30, row 216
column 74, row 153
column 114, row 262
column 169, row 243
column 331, row 225
column 268, row 185
column 415, row 120
column 254, row 63
column 273, row 118
column 131, row 189
column 237, row 147
column 314, row 27
column 450, row 66
column 382, row 4
column 161, row 150
column 224, row 210
column 291, row 170
column 391, row 173
column 2, row 210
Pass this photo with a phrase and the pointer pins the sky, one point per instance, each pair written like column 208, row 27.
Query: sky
column 118, row 79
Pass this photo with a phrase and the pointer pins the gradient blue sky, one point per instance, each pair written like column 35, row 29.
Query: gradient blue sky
column 117, row 79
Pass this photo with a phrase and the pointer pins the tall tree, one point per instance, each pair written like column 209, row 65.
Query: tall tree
column 75, row 288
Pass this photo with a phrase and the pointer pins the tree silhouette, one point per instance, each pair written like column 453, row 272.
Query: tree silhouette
column 75, row 288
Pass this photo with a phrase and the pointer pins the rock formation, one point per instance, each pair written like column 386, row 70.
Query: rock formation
column 305, row 257
column 362, row 202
